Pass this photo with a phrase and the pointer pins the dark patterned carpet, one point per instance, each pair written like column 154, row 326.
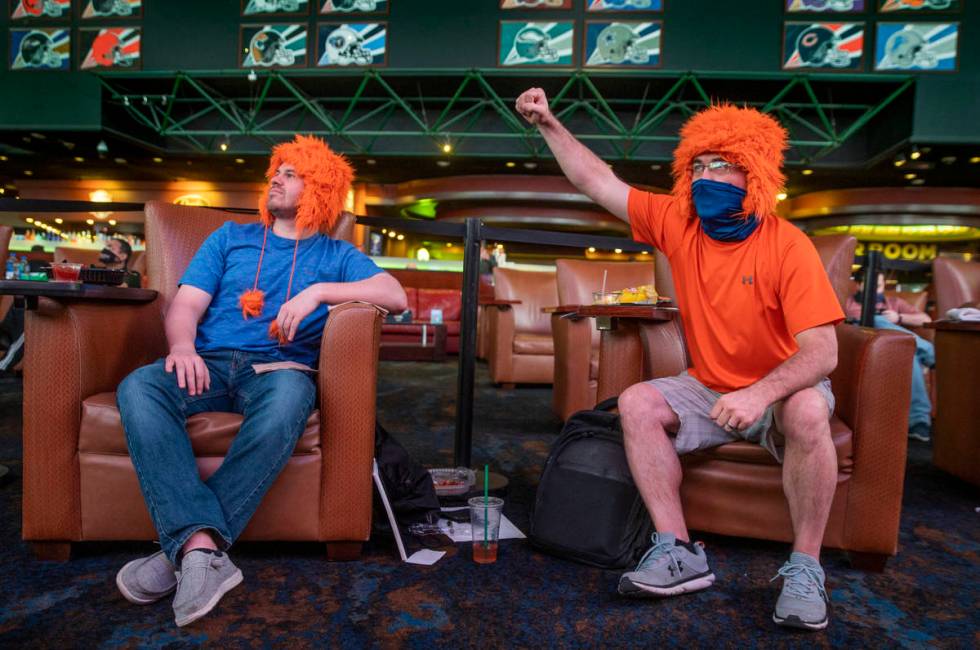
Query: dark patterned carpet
column 928, row 596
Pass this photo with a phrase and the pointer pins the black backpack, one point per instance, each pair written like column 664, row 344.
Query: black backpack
column 408, row 485
column 587, row 507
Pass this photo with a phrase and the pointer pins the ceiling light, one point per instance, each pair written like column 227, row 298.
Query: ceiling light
column 5, row 159
column 240, row 161
column 909, row 176
column 391, row 233
column 919, row 181
column 157, row 159
column 510, row 163
column 252, row 77
column 2, row 190
column 442, row 163
column 591, row 249
column 125, row 101
column 28, row 172
column 112, row 222
column 644, row 252
column 916, row 154
column 102, row 148
column 400, row 237
column 618, row 250
column 90, row 222
column 973, row 159
column 384, row 231
column 656, row 167
column 59, row 220
column 948, row 160
column 371, row 161
column 530, row 164
column 806, row 172
column 447, row 148
column 899, row 160
column 29, row 219
column 120, row 161
column 449, row 244
column 79, row 159
column 781, row 196
column 223, row 146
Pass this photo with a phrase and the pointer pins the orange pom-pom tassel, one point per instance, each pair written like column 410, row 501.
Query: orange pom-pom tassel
column 276, row 333
column 251, row 302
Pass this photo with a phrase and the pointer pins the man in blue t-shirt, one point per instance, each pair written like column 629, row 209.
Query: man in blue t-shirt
column 253, row 294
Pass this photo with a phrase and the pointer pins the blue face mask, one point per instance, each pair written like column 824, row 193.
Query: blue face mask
column 717, row 203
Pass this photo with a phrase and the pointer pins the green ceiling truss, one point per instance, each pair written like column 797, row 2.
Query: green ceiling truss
column 625, row 116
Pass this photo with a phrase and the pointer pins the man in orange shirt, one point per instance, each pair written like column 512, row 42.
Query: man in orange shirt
column 758, row 315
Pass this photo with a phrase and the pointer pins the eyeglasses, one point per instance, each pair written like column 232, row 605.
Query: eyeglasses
column 722, row 167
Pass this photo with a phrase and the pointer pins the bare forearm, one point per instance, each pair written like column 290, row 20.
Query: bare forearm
column 181, row 327
column 809, row 365
column 917, row 319
column 382, row 290
column 584, row 169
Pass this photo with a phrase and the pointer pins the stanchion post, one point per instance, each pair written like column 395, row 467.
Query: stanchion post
column 463, row 449
column 870, row 290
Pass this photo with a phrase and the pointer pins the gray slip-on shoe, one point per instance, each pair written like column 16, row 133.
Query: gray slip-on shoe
column 204, row 577
column 147, row 579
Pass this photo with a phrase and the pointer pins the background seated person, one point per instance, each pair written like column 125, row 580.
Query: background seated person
column 893, row 313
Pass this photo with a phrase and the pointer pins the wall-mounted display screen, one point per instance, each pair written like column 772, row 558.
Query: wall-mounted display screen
column 267, row 46
column 352, row 44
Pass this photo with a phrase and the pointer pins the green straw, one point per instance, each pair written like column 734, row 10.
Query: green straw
column 486, row 503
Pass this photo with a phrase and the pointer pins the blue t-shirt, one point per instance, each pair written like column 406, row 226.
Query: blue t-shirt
column 225, row 267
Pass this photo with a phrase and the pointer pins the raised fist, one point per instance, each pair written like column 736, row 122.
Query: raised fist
column 533, row 105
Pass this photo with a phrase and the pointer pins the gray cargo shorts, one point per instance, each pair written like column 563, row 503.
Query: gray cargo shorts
column 692, row 401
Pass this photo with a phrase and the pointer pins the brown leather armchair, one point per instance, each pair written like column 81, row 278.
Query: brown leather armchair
column 79, row 483
column 521, row 350
column 736, row 489
column 576, row 339
column 956, row 282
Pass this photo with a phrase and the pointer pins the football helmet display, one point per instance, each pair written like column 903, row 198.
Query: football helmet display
column 346, row 47
column 617, row 43
column 533, row 44
column 37, row 51
column 272, row 6
column 107, row 50
column 44, row 8
column 935, row 5
column 818, row 46
column 908, row 49
column 624, row 4
column 539, row 3
column 355, row 5
column 268, row 48
column 111, row 8
column 828, row 5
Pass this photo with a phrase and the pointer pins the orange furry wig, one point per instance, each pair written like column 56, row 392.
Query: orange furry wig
column 752, row 140
column 327, row 178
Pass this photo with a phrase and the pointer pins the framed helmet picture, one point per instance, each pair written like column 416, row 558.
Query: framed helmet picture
column 354, row 6
column 43, row 9
column 109, row 48
column 40, row 48
column 624, row 5
column 826, row 46
column 535, row 4
column 273, row 46
column 917, row 6
column 111, row 8
column 351, row 44
column 916, row 47
column 825, row 6
column 536, row 44
column 623, row 44
column 275, row 7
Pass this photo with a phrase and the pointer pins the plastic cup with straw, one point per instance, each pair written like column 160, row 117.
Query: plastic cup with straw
column 486, row 505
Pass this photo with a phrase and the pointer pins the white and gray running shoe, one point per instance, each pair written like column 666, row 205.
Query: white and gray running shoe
column 668, row 569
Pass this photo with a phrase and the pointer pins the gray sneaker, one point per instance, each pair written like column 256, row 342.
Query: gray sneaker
column 668, row 569
column 147, row 579
column 201, row 582
column 803, row 601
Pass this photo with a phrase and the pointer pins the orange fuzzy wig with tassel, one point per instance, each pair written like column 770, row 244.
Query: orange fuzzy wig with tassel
column 327, row 178
column 744, row 136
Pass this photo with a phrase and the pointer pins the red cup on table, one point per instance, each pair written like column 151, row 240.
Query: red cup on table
column 66, row 271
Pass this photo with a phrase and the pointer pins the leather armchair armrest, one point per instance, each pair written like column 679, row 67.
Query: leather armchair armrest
column 347, row 386
column 872, row 384
column 500, row 333
column 73, row 350
column 573, row 354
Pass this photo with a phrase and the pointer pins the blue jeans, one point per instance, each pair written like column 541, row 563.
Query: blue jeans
column 276, row 406
column 920, row 408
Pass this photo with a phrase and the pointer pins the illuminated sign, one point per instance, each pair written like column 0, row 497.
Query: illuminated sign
column 900, row 251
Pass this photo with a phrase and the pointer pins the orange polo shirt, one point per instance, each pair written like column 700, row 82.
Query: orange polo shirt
column 741, row 303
